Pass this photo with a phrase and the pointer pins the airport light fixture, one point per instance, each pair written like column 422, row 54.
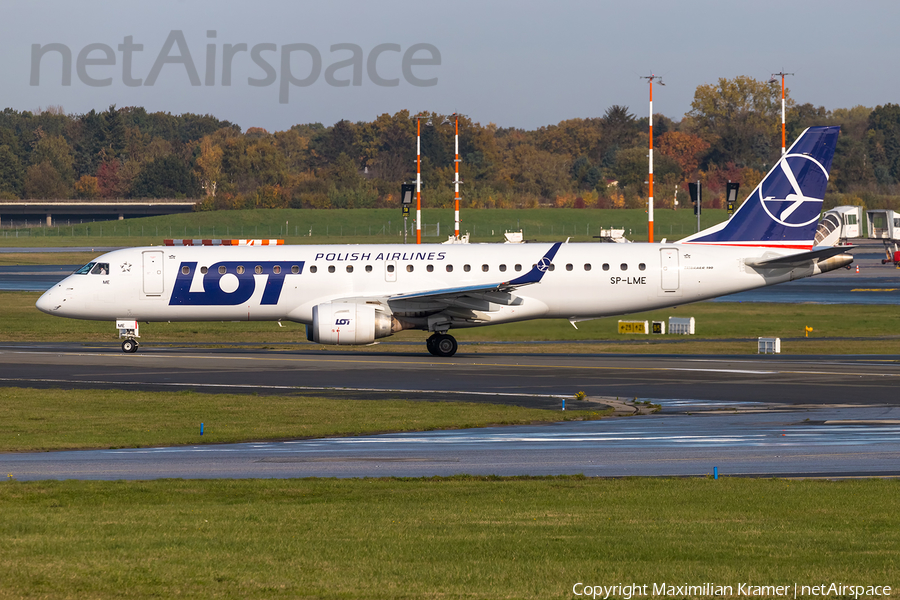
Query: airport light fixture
column 775, row 80
column 650, row 79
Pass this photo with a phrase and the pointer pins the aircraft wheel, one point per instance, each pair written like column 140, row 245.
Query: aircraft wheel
column 129, row 346
column 444, row 345
column 429, row 344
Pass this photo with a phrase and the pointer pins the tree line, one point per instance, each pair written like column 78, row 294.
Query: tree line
column 731, row 133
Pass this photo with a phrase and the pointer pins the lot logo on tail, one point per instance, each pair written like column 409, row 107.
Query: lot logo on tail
column 785, row 201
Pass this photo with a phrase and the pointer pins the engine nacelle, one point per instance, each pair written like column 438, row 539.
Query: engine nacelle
column 344, row 323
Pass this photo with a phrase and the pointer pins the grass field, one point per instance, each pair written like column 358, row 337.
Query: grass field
column 462, row 537
column 362, row 226
column 35, row 420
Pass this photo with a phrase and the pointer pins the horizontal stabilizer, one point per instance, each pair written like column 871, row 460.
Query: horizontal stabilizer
column 820, row 253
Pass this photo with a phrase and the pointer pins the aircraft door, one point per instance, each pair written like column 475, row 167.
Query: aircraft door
column 668, row 263
column 153, row 273
column 390, row 270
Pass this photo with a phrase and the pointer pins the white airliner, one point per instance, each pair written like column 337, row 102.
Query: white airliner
column 358, row 294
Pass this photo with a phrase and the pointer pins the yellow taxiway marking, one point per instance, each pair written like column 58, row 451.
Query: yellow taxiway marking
column 874, row 290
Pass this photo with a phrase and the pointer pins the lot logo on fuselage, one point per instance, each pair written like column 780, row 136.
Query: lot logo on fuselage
column 223, row 285
column 782, row 197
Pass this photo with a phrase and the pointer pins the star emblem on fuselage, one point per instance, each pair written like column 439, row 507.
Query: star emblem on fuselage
column 126, row 267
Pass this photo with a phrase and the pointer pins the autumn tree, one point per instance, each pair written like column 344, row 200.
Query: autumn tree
column 740, row 120
column 684, row 148
column 209, row 166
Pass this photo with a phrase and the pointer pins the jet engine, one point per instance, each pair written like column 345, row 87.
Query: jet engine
column 345, row 323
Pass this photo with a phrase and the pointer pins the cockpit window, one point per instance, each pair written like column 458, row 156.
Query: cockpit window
column 85, row 269
column 100, row 269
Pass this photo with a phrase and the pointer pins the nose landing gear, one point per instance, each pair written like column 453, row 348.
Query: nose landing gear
column 441, row 344
column 128, row 329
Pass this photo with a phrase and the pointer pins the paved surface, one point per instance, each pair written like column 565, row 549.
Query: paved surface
column 528, row 379
column 789, row 442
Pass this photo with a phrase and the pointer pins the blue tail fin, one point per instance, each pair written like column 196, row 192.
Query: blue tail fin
column 783, row 211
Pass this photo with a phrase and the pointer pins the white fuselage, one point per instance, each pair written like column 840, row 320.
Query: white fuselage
column 202, row 283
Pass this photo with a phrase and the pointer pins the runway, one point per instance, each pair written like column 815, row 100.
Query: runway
column 749, row 416
column 530, row 379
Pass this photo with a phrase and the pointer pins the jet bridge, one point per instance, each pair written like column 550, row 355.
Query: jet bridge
column 884, row 224
column 839, row 225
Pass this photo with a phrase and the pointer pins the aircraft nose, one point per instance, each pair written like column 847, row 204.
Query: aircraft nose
column 48, row 302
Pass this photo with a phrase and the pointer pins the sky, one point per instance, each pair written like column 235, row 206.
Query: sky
column 523, row 64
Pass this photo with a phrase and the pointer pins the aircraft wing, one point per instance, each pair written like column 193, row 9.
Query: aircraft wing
column 495, row 289
column 819, row 253
column 501, row 287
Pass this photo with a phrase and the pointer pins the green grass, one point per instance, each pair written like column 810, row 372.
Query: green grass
column 456, row 537
column 34, row 420
column 362, row 226
column 734, row 326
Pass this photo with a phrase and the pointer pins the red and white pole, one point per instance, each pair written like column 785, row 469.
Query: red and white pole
column 418, row 181
column 650, row 199
column 782, row 116
column 783, row 95
column 650, row 211
column 456, row 182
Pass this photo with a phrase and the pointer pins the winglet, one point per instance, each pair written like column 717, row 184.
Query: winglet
column 537, row 271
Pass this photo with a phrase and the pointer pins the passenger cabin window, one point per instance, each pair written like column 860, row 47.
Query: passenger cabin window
column 409, row 268
column 185, row 270
column 313, row 269
column 429, row 268
column 587, row 266
column 518, row 267
column 502, row 268
column 295, row 269
column 569, row 267
column 552, row 267
column 449, row 268
column 642, row 266
column 240, row 269
column 623, row 266
column 368, row 268
column 276, row 269
column 485, row 268
column 331, row 268
column 203, row 270
column 606, row 266
column 467, row 268
column 222, row 270
column 390, row 268
column 257, row 269
column 349, row 268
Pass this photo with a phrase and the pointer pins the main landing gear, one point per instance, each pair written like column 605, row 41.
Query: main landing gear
column 442, row 344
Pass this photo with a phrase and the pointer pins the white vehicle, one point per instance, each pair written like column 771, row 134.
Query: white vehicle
column 359, row 294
